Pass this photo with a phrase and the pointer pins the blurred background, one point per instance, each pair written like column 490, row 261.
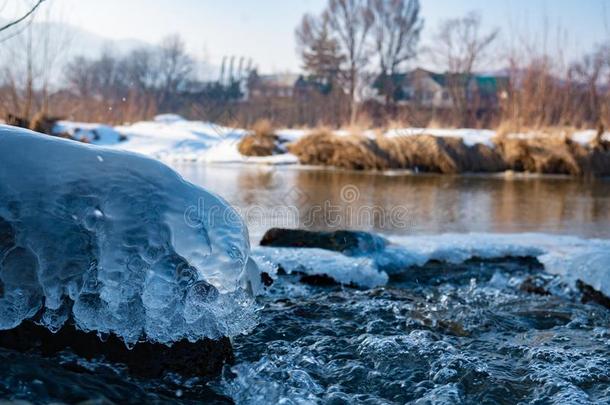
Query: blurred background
column 309, row 62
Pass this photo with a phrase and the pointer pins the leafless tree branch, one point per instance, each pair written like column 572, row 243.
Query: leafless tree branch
column 23, row 17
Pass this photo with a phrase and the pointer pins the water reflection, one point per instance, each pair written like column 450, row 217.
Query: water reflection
column 408, row 204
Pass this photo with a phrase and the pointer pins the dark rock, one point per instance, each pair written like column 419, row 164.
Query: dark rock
column 65, row 380
column 347, row 242
column 40, row 123
column 204, row 358
column 266, row 279
column 590, row 294
column 44, row 124
column 534, row 285
column 17, row 121
column 319, row 280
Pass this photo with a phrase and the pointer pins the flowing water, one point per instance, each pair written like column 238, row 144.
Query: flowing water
column 453, row 333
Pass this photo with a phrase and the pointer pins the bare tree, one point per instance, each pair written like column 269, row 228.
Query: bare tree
column 175, row 67
column 396, row 33
column 460, row 47
column 116, row 88
column 79, row 76
column 30, row 60
column 350, row 22
column 591, row 71
column 320, row 52
column 17, row 21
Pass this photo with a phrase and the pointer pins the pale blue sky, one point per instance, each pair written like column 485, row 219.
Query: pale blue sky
column 264, row 29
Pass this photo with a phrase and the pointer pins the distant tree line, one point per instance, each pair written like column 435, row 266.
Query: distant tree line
column 352, row 55
column 338, row 45
column 145, row 79
column 354, row 43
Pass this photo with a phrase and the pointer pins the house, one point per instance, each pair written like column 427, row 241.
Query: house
column 276, row 86
column 425, row 88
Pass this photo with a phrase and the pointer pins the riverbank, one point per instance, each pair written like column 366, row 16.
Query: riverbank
column 542, row 153
column 169, row 137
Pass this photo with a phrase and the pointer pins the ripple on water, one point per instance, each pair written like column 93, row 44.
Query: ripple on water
column 470, row 341
column 467, row 340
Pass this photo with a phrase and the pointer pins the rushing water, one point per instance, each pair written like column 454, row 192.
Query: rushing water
column 461, row 333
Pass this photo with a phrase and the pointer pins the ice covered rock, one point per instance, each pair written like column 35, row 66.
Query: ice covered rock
column 344, row 241
column 115, row 243
column 347, row 257
column 353, row 271
column 367, row 259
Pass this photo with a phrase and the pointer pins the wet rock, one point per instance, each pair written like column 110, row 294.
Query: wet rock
column 347, row 242
column 590, row 294
column 204, row 358
column 40, row 123
column 266, row 279
column 535, row 285
column 321, row 280
column 28, row 378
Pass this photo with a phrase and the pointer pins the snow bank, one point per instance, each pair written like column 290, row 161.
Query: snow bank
column 96, row 134
column 359, row 271
column 585, row 137
column 571, row 257
column 470, row 137
column 172, row 138
column 137, row 252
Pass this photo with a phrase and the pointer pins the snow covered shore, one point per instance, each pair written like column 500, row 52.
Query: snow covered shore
column 170, row 137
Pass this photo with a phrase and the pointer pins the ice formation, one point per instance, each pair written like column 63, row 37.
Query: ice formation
column 571, row 257
column 360, row 271
column 116, row 243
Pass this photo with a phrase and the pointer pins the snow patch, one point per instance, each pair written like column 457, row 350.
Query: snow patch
column 587, row 136
column 470, row 137
column 170, row 137
column 360, row 271
column 174, row 139
column 96, row 134
column 571, row 257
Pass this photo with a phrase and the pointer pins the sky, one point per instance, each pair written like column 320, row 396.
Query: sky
column 264, row 29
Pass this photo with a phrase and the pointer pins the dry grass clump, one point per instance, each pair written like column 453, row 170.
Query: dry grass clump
column 322, row 147
column 261, row 142
column 316, row 148
column 419, row 152
column 552, row 151
column 547, row 153
column 447, row 155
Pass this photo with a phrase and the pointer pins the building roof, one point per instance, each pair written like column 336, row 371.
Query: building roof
column 279, row 80
column 486, row 83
